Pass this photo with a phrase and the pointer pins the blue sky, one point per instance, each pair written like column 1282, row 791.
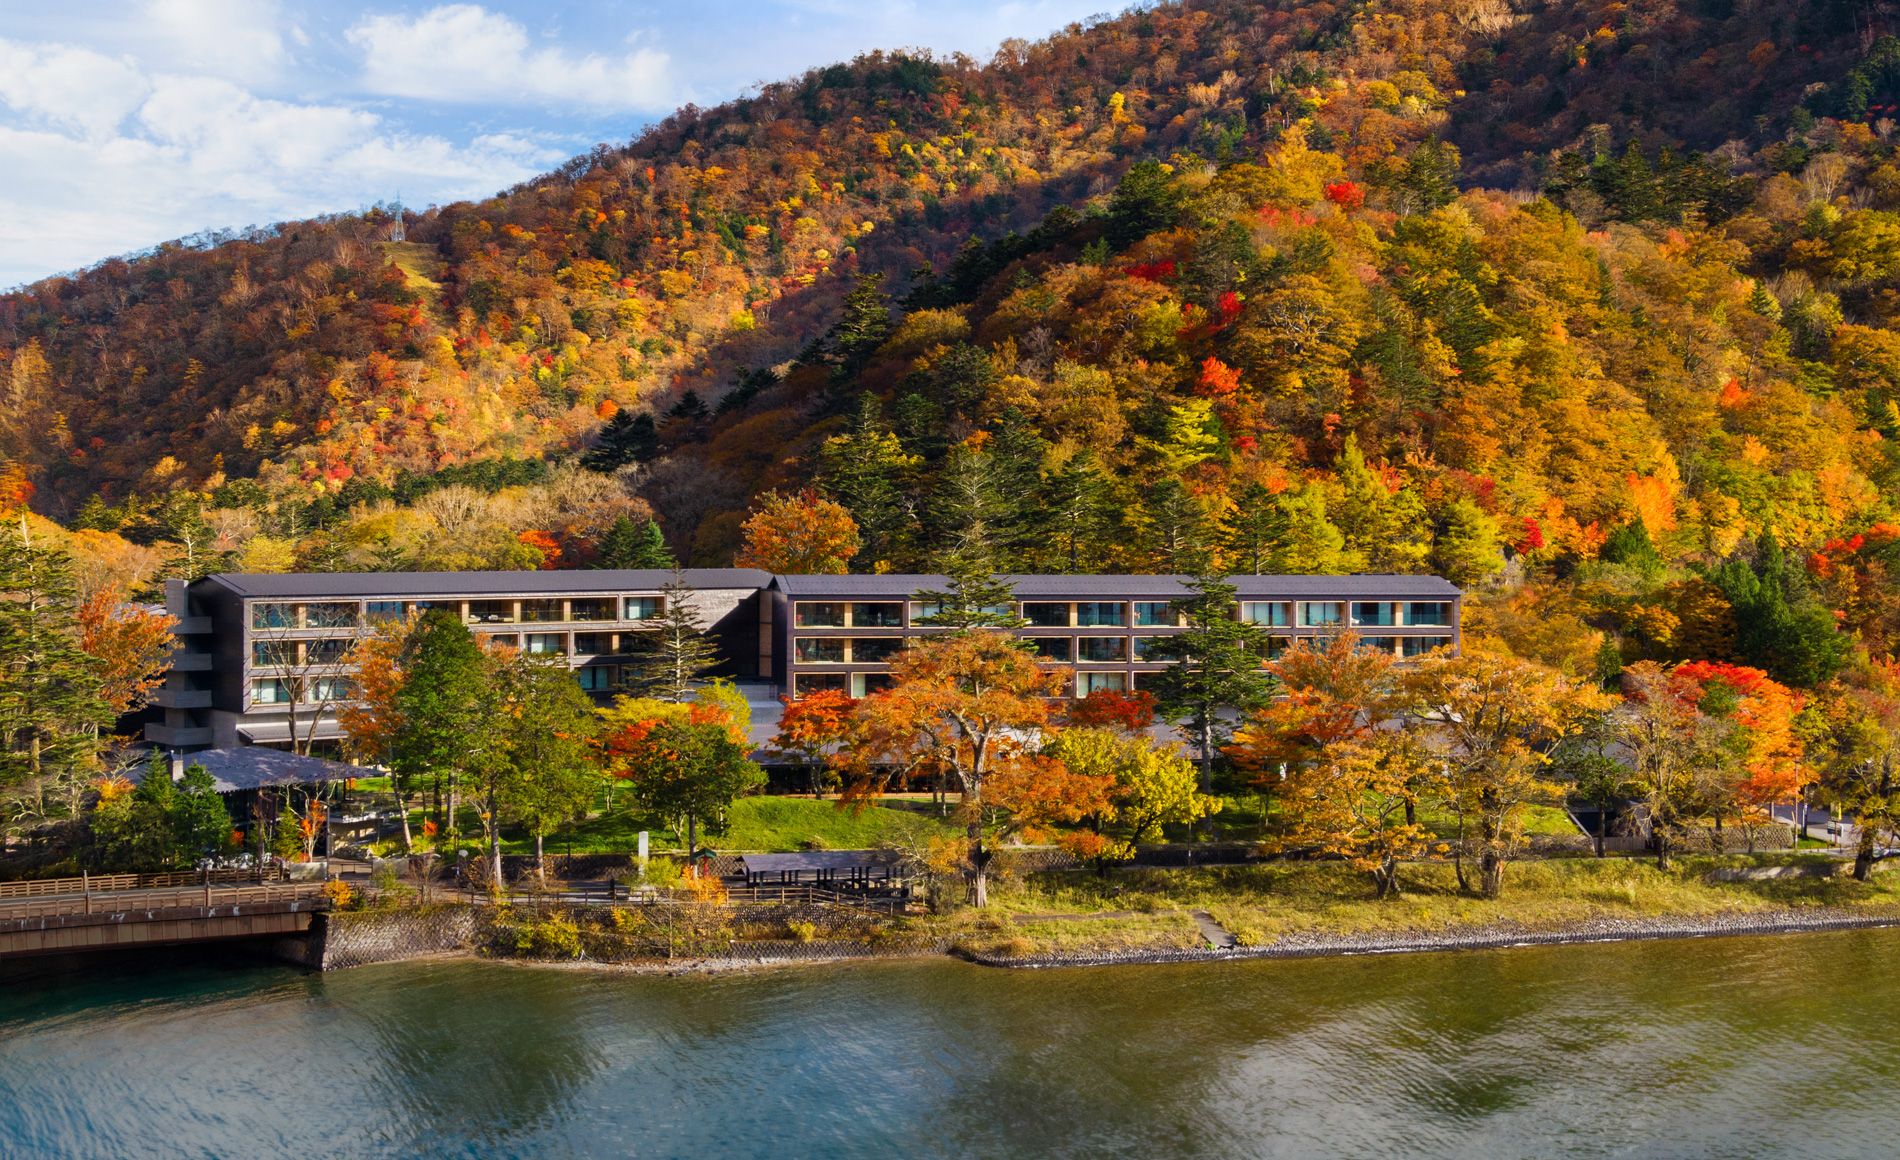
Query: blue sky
column 124, row 123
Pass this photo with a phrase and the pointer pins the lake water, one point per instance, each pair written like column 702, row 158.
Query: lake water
column 1766, row 1046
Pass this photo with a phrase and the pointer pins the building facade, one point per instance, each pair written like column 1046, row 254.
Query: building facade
column 261, row 660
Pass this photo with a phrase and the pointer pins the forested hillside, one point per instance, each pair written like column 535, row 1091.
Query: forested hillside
column 1586, row 305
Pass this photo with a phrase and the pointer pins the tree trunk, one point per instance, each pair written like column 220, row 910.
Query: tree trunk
column 692, row 841
column 1864, row 855
column 1662, row 848
column 493, row 825
column 402, row 807
column 979, row 867
column 1491, row 871
column 1387, row 877
column 540, row 861
column 455, row 805
column 1603, row 820
column 1207, row 753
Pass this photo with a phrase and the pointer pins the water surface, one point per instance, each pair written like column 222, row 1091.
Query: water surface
column 1766, row 1046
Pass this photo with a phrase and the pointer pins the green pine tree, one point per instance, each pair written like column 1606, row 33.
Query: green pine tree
column 1256, row 531
column 1077, row 513
column 974, row 597
column 677, row 652
column 1176, row 529
column 1389, row 532
column 201, row 825
column 625, row 438
column 861, row 328
column 447, row 706
column 863, row 469
column 631, row 545
column 51, row 712
column 1216, row 668
column 1471, row 548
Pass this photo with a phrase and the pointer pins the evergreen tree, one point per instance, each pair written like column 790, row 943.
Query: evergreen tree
column 1146, row 200
column 1780, row 627
column 863, row 469
column 1256, row 531
column 1076, row 512
column 967, row 513
column 1313, row 547
column 201, row 827
column 862, row 327
column 51, row 709
column 1216, row 667
column 95, row 516
column 1175, row 529
column 974, row 597
column 446, row 706
column 1470, row 549
column 677, row 653
column 626, row 438
column 1631, row 546
column 1016, row 453
column 631, row 545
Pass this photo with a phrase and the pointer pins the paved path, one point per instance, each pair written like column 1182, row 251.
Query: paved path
column 1217, row 935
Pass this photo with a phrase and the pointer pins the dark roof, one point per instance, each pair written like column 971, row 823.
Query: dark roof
column 1131, row 587
column 371, row 585
column 251, row 766
column 819, row 860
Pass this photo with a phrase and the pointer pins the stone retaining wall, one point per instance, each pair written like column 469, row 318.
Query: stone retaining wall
column 357, row 938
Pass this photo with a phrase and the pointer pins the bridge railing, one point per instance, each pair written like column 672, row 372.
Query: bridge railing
column 96, row 883
column 177, row 898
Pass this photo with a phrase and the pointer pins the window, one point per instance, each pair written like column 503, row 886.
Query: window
column 423, row 606
column 805, row 684
column 1101, row 649
column 808, row 615
column 1144, row 646
column 331, row 689
column 591, row 608
column 875, row 650
column 1047, row 615
column 500, row 640
column 1372, row 612
column 1087, row 683
column 1090, row 614
column 327, row 652
column 1272, row 613
column 1381, row 644
column 818, row 650
column 1277, row 645
column 642, row 608
column 540, row 611
column 384, row 610
column 587, row 644
column 1153, row 614
column 1322, row 613
column 1054, row 648
column 1428, row 612
column 273, row 616
column 1418, row 646
column 595, row 678
column 273, row 652
column 877, row 616
column 864, row 684
column 269, row 691
column 548, row 643
column 491, row 611
column 922, row 608
column 329, row 615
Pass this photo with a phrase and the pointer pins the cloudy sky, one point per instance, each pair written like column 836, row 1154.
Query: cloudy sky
column 124, row 123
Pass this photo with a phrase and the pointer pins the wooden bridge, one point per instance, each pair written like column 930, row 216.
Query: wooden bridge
column 73, row 915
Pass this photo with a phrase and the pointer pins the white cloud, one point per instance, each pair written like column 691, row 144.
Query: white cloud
column 71, row 87
column 465, row 53
column 233, row 38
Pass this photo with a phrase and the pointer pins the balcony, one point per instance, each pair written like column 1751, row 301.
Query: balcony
column 192, row 626
column 182, row 698
column 184, row 661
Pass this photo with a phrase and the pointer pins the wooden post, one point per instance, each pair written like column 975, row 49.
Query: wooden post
column 85, row 886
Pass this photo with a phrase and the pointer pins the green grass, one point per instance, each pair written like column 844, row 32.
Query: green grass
column 762, row 824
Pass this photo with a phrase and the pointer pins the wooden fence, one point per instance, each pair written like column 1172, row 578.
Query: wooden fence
column 97, row 883
column 180, row 898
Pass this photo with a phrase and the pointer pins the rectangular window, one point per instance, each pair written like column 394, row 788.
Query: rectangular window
column 1428, row 612
column 1046, row 615
column 875, row 650
column 809, row 615
column 500, row 639
column 1322, row 613
column 272, row 653
column 273, row 616
column 423, row 606
column 1144, row 646
column 587, row 644
column 269, row 691
column 330, row 615
column 864, row 684
column 1383, row 644
column 541, row 611
column 595, row 678
column 1102, row 615
column 1101, row 649
column 548, row 643
column 805, row 684
column 1271, row 613
column 1153, row 614
column 1054, row 648
column 1373, row 612
column 331, row 689
column 1277, row 645
column 642, row 608
column 491, row 612
column 877, row 616
column 818, row 650
column 327, row 652
column 1418, row 646
column 591, row 608
column 1087, row 683
column 384, row 610
column 922, row 608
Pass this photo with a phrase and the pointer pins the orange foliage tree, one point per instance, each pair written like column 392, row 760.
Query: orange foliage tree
column 132, row 646
column 811, row 729
column 805, row 534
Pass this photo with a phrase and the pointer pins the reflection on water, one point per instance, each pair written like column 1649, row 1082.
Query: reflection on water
column 1732, row 1047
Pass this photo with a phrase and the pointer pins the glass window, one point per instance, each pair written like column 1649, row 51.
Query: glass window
column 1144, row 646
column 1103, row 614
column 591, row 608
column 273, row 652
column 1322, row 613
column 642, row 608
column 500, row 639
column 1277, row 645
column 1153, row 613
column 1372, row 612
column 864, row 684
column 587, row 644
column 1046, row 615
column 540, row 611
column 550, row 643
column 818, row 650
column 595, row 678
column 1101, row 649
column 384, row 610
column 269, row 691
column 273, row 616
column 332, row 651
column 875, row 650
column 423, row 606
column 1384, row 644
column 1418, row 646
column 805, row 684
column 1428, row 612
column 1054, row 648
column 331, row 689
column 491, row 611
column 922, row 608
column 1272, row 613
column 809, row 615
column 332, row 615
column 1086, row 683
column 877, row 616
